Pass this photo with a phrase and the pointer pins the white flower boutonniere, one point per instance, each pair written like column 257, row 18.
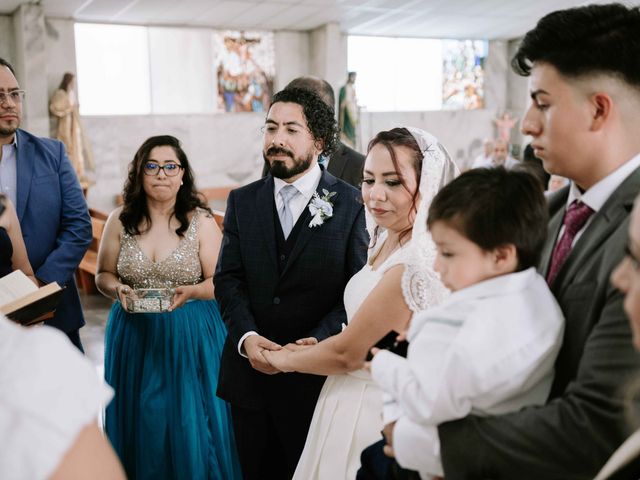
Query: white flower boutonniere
column 321, row 208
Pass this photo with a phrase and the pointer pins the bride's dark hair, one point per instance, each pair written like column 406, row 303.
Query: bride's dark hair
column 392, row 139
column 135, row 212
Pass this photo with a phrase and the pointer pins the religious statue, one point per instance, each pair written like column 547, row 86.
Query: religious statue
column 504, row 124
column 348, row 111
column 64, row 106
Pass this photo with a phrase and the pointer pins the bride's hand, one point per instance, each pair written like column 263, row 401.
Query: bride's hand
column 307, row 341
column 279, row 359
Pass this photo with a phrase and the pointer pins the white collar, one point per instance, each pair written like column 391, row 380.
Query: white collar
column 306, row 184
column 599, row 193
column 14, row 143
column 502, row 284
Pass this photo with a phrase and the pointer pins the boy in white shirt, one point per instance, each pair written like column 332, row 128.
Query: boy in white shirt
column 490, row 347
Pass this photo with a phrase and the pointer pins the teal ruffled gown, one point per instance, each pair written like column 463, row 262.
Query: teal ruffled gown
column 166, row 421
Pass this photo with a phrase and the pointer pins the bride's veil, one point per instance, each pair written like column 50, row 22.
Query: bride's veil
column 421, row 285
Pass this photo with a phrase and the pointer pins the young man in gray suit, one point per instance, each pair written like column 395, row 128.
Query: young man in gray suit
column 344, row 163
column 584, row 118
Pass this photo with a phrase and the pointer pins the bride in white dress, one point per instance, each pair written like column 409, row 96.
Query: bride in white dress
column 404, row 169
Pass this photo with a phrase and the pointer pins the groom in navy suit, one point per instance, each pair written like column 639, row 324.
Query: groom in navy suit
column 36, row 175
column 292, row 241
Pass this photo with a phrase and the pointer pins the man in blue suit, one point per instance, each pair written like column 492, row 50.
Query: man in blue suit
column 280, row 277
column 36, row 175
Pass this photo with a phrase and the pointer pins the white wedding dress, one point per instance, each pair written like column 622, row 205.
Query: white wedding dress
column 348, row 414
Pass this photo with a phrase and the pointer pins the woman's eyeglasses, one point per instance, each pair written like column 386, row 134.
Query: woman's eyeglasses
column 170, row 169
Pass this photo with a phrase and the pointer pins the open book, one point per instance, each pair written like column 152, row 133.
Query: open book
column 23, row 302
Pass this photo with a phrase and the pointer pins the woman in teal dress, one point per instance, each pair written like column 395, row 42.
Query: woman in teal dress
column 165, row 421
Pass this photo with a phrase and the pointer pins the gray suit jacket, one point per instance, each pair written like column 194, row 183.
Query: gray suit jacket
column 583, row 422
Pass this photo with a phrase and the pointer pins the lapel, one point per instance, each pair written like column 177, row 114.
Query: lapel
column 264, row 214
column 326, row 181
column 337, row 162
column 605, row 221
column 25, row 159
column 557, row 207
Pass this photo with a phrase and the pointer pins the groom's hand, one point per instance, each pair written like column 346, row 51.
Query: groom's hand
column 253, row 346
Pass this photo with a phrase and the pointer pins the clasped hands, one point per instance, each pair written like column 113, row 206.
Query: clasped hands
column 270, row 358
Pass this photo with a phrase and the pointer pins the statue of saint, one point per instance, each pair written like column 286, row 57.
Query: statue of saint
column 64, row 106
column 504, row 124
column 348, row 111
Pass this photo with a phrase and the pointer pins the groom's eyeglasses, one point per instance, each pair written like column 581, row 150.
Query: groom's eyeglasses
column 170, row 169
column 16, row 96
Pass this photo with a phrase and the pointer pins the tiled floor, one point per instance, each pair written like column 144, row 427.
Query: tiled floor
column 96, row 310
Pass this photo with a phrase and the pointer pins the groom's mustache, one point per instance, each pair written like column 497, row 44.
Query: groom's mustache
column 279, row 151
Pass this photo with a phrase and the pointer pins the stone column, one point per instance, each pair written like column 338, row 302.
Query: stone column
column 328, row 54
column 31, row 66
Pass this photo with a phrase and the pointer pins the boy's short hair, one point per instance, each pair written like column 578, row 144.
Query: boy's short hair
column 494, row 207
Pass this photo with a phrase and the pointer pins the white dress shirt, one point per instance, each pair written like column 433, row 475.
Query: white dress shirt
column 488, row 349
column 599, row 193
column 9, row 170
column 306, row 185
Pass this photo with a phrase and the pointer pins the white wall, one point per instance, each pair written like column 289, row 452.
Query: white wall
column 292, row 57
column 461, row 132
column 6, row 39
column 225, row 149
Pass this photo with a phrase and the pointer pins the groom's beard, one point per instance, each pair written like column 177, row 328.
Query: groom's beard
column 279, row 169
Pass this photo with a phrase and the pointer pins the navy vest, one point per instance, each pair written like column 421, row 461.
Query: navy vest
column 284, row 247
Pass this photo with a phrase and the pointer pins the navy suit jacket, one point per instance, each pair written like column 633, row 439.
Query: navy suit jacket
column 347, row 165
column 305, row 300
column 54, row 219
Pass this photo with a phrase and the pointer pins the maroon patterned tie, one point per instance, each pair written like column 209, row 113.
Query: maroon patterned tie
column 574, row 219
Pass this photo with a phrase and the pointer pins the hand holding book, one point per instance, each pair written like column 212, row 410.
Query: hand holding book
column 23, row 302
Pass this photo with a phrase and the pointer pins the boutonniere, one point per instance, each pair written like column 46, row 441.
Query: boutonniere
column 321, row 208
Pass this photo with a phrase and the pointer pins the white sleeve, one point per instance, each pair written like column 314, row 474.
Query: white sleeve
column 391, row 411
column 435, row 383
column 417, row 447
column 49, row 392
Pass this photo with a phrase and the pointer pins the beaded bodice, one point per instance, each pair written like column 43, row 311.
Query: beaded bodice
column 181, row 267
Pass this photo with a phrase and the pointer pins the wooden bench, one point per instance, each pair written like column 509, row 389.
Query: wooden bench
column 87, row 269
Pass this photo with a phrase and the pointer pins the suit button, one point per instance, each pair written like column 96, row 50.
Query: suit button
column 276, row 300
column 282, row 257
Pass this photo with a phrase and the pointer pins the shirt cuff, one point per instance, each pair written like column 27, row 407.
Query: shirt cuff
column 244, row 337
column 391, row 411
column 417, row 447
column 384, row 366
